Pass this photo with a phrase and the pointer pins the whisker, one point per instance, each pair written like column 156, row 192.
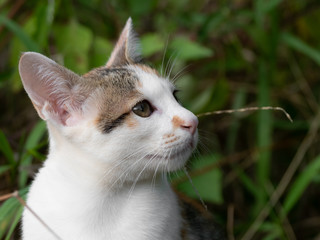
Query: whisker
column 180, row 73
column 195, row 189
column 120, row 162
column 172, row 65
column 135, row 182
column 164, row 56
column 169, row 64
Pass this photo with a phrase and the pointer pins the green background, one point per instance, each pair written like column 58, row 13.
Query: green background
column 258, row 173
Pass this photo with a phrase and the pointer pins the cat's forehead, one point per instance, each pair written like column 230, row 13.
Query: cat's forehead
column 131, row 78
column 117, row 79
column 150, row 81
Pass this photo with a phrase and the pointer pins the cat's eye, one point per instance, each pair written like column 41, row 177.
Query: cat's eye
column 143, row 109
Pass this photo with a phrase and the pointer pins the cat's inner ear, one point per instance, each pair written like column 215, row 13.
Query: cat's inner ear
column 53, row 89
column 127, row 49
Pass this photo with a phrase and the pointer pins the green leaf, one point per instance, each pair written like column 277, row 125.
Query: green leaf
column 220, row 94
column 18, row 31
column 7, row 212
column 238, row 102
column 209, row 185
column 6, row 149
column 140, row 7
column 4, row 168
column 35, row 135
column 43, row 21
column 212, row 98
column 300, row 184
column 74, row 41
column 151, row 43
column 213, row 22
column 271, row 4
column 14, row 222
column 101, row 51
column 201, row 100
column 10, row 213
column 31, row 142
column 300, row 46
column 189, row 50
column 264, row 132
column 272, row 230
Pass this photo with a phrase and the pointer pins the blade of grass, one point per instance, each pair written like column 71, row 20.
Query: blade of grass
column 31, row 142
column 19, row 32
column 10, row 213
column 300, row 46
column 286, row 179
column 247, row 182
column 300, row 184
column 4, row 168
column 232, row 134
column 14, row 223
column 264, row 132
column 6, row 149
column 7, row 211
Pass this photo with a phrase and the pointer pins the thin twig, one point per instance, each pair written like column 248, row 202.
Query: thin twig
column 23, row 203
column 279, row 208
column 230, row 223
column 246, row 110
column 6, row 196
column 195, row 189
column 286, row 179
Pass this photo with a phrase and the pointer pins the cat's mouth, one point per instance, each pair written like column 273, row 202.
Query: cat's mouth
column 181, row 154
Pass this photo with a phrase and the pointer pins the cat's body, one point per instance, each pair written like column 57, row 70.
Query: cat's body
column 114, row 133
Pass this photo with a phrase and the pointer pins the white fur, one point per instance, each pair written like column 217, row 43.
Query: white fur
column 103, row 186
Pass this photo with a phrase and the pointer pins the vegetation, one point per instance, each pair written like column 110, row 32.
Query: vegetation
column 258, row 173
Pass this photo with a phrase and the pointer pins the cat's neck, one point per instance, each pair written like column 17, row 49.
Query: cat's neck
column 151, row 206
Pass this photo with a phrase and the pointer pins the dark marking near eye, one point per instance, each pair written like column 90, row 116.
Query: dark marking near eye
column 109, row 126
column 175, row 93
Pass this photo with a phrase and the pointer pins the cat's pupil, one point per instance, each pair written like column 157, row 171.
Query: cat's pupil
column 143, row 109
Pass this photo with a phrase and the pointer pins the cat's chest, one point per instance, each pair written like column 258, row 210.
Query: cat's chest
column 147, row 212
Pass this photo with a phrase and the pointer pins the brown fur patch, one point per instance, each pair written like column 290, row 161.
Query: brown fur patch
column 177, row 121
column 114, row 93
column 131, row 123
column 148, row 69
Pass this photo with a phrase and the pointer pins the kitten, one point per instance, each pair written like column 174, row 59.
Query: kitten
column 114, row 133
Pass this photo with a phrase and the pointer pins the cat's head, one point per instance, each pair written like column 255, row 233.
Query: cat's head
column 124, row 114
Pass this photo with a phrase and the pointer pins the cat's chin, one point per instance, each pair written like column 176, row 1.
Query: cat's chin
column 172, row 161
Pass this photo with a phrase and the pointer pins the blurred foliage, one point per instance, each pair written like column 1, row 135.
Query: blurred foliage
column 222, row 54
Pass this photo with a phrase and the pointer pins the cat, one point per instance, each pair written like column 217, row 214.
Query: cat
column 114, row 133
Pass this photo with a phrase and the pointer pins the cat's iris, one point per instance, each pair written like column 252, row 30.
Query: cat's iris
column 143, row 109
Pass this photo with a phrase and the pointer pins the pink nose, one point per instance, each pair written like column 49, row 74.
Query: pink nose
column 189, row 125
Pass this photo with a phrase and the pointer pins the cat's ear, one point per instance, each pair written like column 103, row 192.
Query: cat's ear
column 52, row 88
column 127, row 49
